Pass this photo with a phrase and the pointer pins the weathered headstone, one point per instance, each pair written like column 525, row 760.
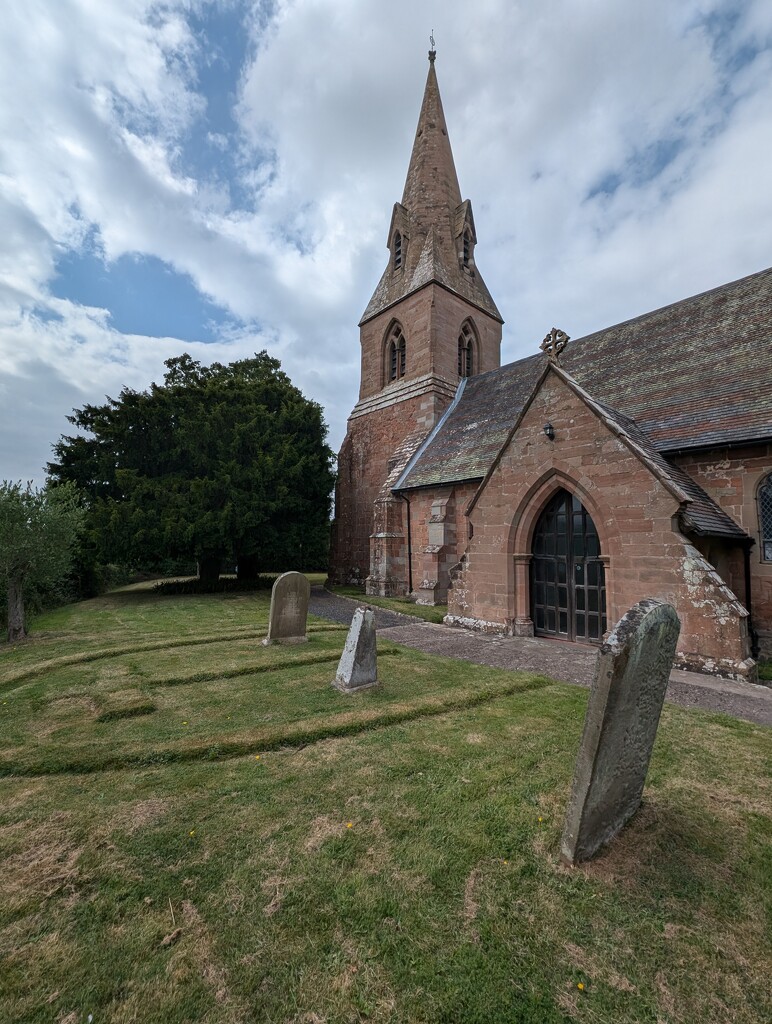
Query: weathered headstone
column 357, row 667
column 289, row 609
column 631, row 677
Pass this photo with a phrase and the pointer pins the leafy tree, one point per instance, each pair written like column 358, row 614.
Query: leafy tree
column 38, row 532
column 216, row 462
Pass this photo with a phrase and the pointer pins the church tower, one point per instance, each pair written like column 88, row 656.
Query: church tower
column 430, row 323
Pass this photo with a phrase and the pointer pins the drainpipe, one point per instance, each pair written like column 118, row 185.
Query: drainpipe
column 409, row 544
column 755, row 648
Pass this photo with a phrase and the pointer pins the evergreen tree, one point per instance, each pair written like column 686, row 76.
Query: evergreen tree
column 216, row 462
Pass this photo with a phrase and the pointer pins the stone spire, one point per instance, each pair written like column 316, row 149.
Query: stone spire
column 431, row 186
column 432, row 234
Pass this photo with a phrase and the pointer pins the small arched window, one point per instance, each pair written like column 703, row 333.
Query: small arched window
column 397, row 250
column 765, row 518
column 466, row 351
column 396, row 354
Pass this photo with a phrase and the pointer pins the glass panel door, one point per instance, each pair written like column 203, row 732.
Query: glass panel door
column 568, row 593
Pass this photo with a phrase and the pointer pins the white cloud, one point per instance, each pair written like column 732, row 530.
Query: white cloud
column 544, row 104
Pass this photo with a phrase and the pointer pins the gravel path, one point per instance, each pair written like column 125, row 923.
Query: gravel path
column 570, row 663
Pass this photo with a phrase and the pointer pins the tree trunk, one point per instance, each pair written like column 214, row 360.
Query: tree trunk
column 16, row 629
column 248, row 568
column 209, row 569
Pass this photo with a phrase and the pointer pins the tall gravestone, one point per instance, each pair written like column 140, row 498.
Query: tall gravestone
column 631, row 677
column 289, row 609
column 357, row 668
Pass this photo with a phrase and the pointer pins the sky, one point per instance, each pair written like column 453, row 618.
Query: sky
column 217, row 177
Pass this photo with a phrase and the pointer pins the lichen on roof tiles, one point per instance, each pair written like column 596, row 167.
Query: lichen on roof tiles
column 694, row 374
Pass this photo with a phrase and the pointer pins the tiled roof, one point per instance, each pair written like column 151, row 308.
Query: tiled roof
column 691, row 375
column 475, row 430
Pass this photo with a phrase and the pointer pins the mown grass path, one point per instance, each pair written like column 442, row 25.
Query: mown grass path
column 194, row 827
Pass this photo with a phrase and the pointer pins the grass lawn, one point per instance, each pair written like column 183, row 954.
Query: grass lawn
column 430, row 613
column 197, row 828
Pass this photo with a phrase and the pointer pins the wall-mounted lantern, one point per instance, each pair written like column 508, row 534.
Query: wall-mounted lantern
column 549, row 430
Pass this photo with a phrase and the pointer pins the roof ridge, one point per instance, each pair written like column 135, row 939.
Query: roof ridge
column 672, row 305
column 694, row 378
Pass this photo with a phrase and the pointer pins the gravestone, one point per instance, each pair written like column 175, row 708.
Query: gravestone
column 289, row 609
column 631, row 677
column 357, row 666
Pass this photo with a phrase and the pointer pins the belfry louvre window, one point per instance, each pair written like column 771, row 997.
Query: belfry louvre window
column 467, row 248
column 397, row 251
column 765, row 518
column 396, row 350
column 466, row 352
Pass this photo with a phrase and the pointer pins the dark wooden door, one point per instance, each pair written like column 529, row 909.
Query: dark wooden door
column 568, row 592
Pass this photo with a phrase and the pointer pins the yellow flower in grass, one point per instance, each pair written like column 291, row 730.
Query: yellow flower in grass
column 580, row 986
column 257, row 757
column 349, row 824
column 192, row 832
column 540, row 819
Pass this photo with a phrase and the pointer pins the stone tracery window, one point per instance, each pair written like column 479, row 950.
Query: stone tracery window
column 396, row 354
column 765, row 518
column 466, row 360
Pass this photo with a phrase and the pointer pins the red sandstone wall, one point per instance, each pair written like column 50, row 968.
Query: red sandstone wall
column 634, row 514
column 363, row 465
column 731, row 477
column 431, row 320
column 457, row 525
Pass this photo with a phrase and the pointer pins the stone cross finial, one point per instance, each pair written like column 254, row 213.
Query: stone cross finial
column 553, row 344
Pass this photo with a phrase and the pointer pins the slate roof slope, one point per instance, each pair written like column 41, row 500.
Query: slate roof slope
column 474, row 431
column 694, row 374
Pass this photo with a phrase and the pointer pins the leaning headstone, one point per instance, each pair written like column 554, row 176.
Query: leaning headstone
column 289, row 609
column 631, row 677
column 357, row 667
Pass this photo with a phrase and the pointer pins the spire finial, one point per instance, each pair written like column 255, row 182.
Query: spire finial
column 432, row 52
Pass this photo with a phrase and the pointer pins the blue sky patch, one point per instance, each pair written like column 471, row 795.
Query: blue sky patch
column 143, row 295
column 212, row 150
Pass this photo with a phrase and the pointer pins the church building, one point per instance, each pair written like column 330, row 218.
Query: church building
column 547, row 496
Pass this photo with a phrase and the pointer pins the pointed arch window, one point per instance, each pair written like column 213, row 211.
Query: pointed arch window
column 466, row 354
column 765, row 518
column 397, row 250
column 396, row 354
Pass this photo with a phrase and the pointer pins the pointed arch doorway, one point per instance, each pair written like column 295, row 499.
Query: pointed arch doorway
column 568, row 585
